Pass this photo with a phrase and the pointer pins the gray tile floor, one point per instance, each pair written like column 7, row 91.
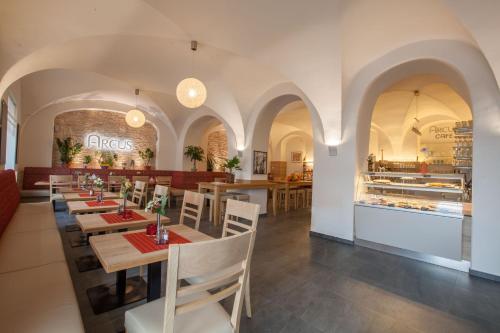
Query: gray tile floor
column 307, row 284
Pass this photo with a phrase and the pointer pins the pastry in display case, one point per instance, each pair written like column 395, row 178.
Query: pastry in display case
column 439, row 194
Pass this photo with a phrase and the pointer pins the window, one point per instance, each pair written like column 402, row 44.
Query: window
column 11, row 141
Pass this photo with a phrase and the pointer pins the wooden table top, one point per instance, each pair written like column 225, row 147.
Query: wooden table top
column 116, row 253
column 78, row 207
column 239, row 183
column 298, row 182
column 96, row 223
column 72, row 196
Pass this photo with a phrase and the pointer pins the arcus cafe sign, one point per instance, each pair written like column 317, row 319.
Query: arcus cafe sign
column 101, row 142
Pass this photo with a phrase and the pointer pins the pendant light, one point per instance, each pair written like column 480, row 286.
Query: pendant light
column 135, row 118
column 191, row 92
column 415, row 125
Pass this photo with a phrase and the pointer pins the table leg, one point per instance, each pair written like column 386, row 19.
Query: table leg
column 154, row 281
column 287, row 196
column 216, row 205
column 107, row 297
column 275, row 199
column 121, row 285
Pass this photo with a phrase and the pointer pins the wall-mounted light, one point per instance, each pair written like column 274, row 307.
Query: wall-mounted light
column 332, row 150
column 240, row 153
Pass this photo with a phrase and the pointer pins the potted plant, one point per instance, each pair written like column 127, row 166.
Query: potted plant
column 194, row 153
column 210, row 162
column 68, row 150
column 147, row 155
column 231, row 165
column 86, row 160
column 107, row 159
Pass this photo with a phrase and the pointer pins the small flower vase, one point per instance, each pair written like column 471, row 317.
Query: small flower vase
column 158, row 229
column 91, row 192
column 124, row 204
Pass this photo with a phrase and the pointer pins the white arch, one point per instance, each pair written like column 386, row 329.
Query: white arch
column 231, row 138
column 465, row 70
column 36, row 139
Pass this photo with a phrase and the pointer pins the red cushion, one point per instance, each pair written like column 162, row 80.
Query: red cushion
column 9, row 197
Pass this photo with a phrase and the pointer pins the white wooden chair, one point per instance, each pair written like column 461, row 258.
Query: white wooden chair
column 167, row 182
column 192, row 207
column 160, row 191
column 240, row 217
column 192, row 308
column 164, row 180
column 139, row 192
column 80, row 180
column 57, row 182
column 115, row 183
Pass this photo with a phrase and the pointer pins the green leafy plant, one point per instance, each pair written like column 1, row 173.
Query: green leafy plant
column 68, row 150
column 232, row 164
column 106, row 158
column 146, row 155
column 195, row 154
column 87, row 159
column 210, row 162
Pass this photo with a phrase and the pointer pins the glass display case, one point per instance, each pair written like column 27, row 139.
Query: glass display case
column 435, row 194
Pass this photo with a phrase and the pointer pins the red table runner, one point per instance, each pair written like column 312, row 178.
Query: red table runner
column 145, row 243
column 116, row 218
column 103, row 203
column 85, row 195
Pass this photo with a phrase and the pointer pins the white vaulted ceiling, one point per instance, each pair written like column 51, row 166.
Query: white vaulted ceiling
column 102, row 50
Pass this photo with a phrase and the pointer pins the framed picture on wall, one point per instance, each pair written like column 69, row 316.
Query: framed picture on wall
column 296, row 156
column 259, row 162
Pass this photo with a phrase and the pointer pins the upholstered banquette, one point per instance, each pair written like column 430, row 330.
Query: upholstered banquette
column 36, row 291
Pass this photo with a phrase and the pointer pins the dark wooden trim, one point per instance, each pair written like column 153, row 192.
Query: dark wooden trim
column 332, row 238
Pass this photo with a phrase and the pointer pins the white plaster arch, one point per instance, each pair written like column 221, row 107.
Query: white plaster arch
column 193, row 119
column 466, row 70
column 37, row 133
column 295, row 134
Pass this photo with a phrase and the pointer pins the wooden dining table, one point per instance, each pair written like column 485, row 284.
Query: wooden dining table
column 291, row 184
column 218, row 187
column 91, row 223
column 117, row 254
column 105, row 223
column 84, row 196
column 81, row 207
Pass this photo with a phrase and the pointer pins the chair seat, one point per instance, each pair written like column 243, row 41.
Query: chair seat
column 30, row 249
column 39, row 300
column 148, row 318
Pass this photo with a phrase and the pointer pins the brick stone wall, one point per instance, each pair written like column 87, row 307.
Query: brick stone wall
column 77, row 124
column 217, row 147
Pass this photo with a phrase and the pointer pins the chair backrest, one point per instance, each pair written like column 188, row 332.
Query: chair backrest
column 220, row 179
column 192, row 207
column 160, row 191
column 224, row 264
column 58, row 182
column 240, row 217
column 164, row 180
column 141, row 178
column 139, row 191
column 80, row 180
column 114, row 182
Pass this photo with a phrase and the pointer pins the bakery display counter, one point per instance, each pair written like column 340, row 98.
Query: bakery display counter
column 417, row 213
